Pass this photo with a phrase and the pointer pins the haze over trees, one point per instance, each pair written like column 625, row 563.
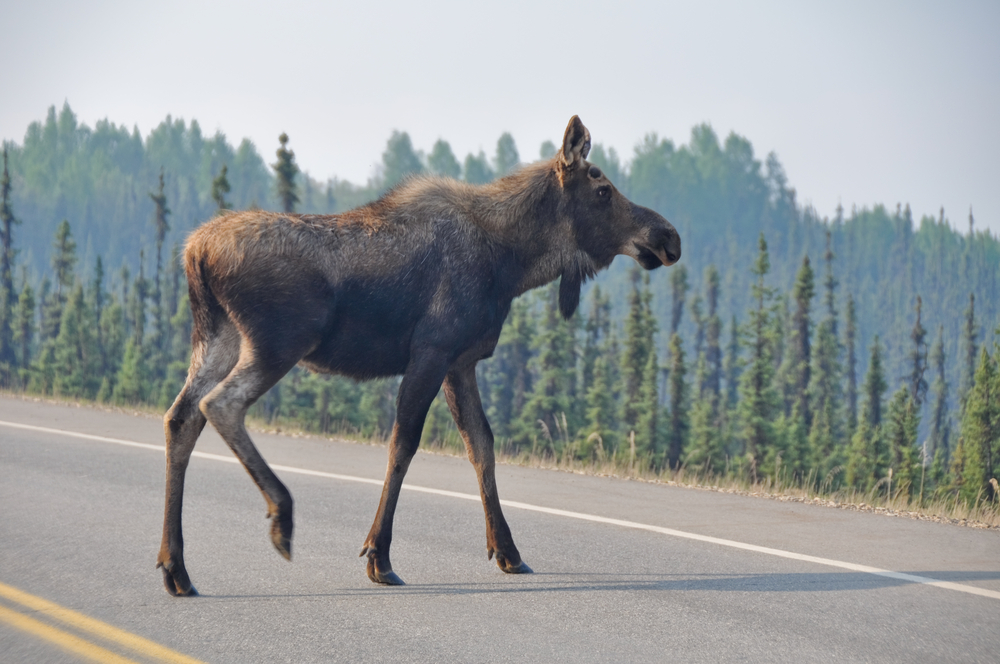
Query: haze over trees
column 856, row 351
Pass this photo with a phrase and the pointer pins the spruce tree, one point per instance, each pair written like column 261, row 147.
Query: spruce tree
column 596, row 331
column 677, row 435
column 508, row 382
column 399, row 160
column 442, row 161
column 63, row 264
column 639, row 334
column 160, row 316
column 850, row 340
column 477, row 169
column 546, row 417
column 868, row 457
column 76, row 354
column 801, row 351
column 970, row 349
column 24, row 330
column 759, row 402
column 647, row 438
column 285, row 171
column 981, row 431
column 938, row 440
column 874, row 386
column 918, row 361
column 601, row 411
column 8, row 297
column 731, row 366
column 901, row 433
column 713, row 334
column 220, row 187
column 507, row 157
column 678, row 288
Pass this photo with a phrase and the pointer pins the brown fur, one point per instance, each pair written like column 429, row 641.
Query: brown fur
column 417, row 283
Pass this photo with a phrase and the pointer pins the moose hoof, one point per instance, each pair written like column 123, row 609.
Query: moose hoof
column 509, row 567
column 281, row 537
column 176, row 581
column 383, row 573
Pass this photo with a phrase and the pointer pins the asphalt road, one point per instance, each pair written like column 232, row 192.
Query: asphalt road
column 81, row 528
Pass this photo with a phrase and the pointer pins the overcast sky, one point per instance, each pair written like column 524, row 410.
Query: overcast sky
column 863, row 102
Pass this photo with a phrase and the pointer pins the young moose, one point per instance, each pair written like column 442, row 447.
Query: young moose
column 417, row 283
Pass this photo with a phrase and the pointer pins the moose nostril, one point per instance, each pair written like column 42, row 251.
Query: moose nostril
column 672, row 257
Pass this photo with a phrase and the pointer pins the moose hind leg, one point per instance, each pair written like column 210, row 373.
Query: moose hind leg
column 182, row 425
column 420, row 385
column 226, row 408
column 462, row 393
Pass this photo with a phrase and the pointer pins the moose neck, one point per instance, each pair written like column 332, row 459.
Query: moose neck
column 524, row 213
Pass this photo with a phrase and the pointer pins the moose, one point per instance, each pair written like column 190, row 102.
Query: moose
column 418, row 284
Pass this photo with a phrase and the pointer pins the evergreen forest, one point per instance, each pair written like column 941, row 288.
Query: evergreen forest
column 855, row 352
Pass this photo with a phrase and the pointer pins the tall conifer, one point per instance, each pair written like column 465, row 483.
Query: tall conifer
column 8, row 297
column 285, row 171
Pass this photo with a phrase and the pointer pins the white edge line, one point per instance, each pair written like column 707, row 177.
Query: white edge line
column 899, row 576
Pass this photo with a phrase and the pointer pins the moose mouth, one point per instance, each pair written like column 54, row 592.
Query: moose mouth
column 651, row 259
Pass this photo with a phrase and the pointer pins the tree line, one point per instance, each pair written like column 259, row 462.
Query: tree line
column 736, row 371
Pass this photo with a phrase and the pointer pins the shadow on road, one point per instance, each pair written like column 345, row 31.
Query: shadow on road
column 553, row 582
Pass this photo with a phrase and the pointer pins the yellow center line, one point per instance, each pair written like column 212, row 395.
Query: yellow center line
column 84, row 623
column 64, row 640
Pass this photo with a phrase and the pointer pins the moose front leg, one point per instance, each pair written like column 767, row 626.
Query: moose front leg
column 462, row 393
column 420, row 385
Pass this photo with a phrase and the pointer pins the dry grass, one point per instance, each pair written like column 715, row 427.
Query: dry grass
column 947, row 509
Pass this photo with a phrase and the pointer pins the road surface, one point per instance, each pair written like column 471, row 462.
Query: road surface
column 624, row 570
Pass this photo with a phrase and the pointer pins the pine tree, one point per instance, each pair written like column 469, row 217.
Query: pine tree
column 759, row 402
column 679, row 423
column 220, row 187
column 285, row 170
column 507, row 158
column 981, row 431
column 938, row 440
column 8, row 358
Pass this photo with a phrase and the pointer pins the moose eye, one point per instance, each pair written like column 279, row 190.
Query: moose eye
column 604, row 192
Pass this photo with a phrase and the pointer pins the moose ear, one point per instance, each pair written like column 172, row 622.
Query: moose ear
column 576, row 143
column 569, row 293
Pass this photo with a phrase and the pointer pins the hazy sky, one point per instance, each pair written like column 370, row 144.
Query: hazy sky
column 863, row 102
